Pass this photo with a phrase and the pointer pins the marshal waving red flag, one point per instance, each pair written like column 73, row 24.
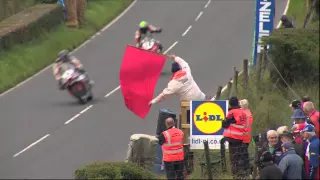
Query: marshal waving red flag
column 139, row 73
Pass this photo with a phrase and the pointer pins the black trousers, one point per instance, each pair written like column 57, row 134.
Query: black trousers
column 245, row 158
column 174, row 170
column 235, row 156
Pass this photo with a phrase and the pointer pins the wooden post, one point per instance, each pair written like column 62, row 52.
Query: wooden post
column 229, row 86
column 256, row 159
column 235, row 81
column 185, row 126
column 218, row 93
column 208, row 159
column 265, row 56
column 81, row 8
column 71, row 6
column 245, row 78
column 258, row 70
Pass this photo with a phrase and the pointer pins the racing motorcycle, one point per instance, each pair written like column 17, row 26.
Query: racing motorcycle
column 77, row 85
column 150, row 44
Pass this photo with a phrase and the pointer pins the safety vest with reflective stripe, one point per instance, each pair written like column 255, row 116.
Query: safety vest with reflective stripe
column 236, row 130
column 172, row 149
column 249, row 121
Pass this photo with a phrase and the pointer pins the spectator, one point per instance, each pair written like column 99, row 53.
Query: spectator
column 312, row 151
column 305, row 99
column 291, row 165
column 288, row 137
column 269, row 170
column 295, row 130
column 181, row 83
column 313, row 115
column 299, row 139
column 281, row 129
column 172, row 149
column 295, row 104
column 272, row 146
column 247, row 137
column 285, row 22
column 299, row 117
column 235, row 129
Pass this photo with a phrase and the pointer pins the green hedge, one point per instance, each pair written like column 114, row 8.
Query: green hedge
column 29, row 24
column 296, row 55
column 117, row 170
column 11, row 7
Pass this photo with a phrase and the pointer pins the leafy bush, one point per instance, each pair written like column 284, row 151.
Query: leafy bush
column 117, row 170
column 29, row 23
column 11, row 7
column 295, row 53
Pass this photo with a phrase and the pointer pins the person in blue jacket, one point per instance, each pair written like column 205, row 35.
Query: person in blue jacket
column 312, row 151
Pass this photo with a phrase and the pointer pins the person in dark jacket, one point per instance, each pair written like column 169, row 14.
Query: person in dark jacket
column 235, row 136
column 291, row 165
column 285, row 22
column 272, row 145
column 288, row 137
column 312, row 152
column 269, row 170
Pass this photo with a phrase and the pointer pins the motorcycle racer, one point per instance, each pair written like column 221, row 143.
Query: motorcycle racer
column 63, row 63
column 144, row 28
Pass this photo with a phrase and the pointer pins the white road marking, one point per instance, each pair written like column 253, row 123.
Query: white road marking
column 117, row 88
column 207, row 4
column 111, row 92
column 187, row 30
column 174, row 44
column 79, row 114
column 31, row 145
column 197, row 18
column 278, row 26
column 76, row 49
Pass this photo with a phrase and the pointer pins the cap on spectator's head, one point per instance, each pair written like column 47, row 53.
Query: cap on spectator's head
column 287, row 134
column 295, row 104
column 233, row 101
column 288, row 145
column 308, row 128
column 305, row 98
column 297, row 128
column 298, row 114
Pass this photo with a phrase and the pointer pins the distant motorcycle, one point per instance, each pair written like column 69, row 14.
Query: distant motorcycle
column 77, row 85
column 150, row 44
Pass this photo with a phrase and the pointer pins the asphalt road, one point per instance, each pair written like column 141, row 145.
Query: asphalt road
column 219, row 39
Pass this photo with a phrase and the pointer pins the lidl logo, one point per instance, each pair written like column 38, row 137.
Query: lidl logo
column 207, row 117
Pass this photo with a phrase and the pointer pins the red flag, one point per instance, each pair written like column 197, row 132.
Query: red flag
column 139, row 73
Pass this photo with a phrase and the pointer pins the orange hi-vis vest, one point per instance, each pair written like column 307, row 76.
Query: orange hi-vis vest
column 172, row 149
column 249, row 121
column 236, row 130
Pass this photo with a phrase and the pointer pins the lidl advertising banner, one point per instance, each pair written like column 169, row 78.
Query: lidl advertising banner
column 265, row 12
column 206, row 123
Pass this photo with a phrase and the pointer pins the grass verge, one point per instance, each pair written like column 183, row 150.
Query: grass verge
column 24, row 60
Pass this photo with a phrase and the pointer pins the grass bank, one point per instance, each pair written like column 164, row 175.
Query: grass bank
column 269, row 104
column 22, row 61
